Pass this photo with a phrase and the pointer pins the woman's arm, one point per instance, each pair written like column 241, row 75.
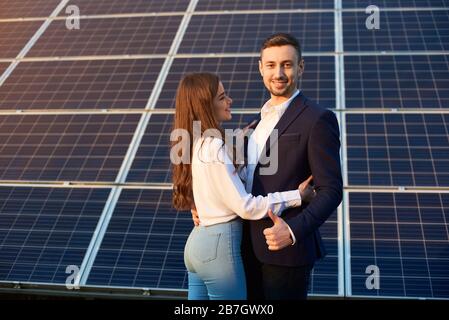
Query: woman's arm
column 225, row 184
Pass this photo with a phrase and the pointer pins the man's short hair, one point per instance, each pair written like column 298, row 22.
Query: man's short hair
column 281, row 39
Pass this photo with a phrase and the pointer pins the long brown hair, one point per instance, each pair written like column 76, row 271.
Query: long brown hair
column 194, row 102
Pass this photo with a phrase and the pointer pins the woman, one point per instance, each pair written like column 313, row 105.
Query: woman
column 209, row 179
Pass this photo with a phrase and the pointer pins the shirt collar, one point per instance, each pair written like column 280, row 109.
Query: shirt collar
column 278, row 109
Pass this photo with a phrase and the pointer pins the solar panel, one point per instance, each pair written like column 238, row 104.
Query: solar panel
column 144, row 243
column 325, row 273
column 398, row 149
column 27, row 8
column 389, row 85
column 245, row 32
column 398, row 31
column 64, row 147
column 3, row 67
column 242, row 80
column 45, row 230
column 88, row 7
column 404, row 235
column 394, row 3
column 14, row 36
column 94, row 84
column 152, row 161
column 144, row 246
column 212, row 5
column 112, row 36
column 397, row 81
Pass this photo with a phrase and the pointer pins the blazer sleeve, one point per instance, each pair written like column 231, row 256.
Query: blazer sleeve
column 324, row 159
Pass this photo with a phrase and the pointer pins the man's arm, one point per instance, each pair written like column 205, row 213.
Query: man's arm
column 324, row 160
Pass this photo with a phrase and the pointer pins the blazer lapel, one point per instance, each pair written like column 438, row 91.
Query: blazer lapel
column 296, row 107
column 250, row 126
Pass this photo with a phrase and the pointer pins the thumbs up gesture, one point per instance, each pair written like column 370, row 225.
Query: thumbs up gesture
column 278, row 236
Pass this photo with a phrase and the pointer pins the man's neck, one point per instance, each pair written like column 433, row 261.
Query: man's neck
column 277, row 100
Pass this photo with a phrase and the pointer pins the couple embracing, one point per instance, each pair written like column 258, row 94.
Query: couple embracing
column 256, row 230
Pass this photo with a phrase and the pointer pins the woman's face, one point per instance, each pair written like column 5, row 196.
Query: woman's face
column 222, row 105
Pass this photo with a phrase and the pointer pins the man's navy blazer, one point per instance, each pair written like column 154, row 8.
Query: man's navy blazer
column 308, row 143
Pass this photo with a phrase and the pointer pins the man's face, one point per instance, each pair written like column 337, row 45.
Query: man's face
column 280, row 69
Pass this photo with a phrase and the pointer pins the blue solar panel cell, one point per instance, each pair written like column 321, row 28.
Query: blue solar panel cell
column 15, row 35
column 398, row 149
column 152, row 161
column 44, row 230
column 27, row 8
column 94, row 84
column 410, row 254
column 325, row 274
column 212, row 5
column 397, row 81
column 242, row 80
column 324, row 278
column 398, row 31
column 144, row 244
column 64, row 147
column 244, row 33
column 3, row 67
column 111, row 36
column 383, row 4
column 87, row 7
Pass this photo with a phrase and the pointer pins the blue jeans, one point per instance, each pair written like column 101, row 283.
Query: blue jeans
column 214, row 263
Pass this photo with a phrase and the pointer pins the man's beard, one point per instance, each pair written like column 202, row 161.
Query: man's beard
column 279, row 93
column 282, row 92
column 289, row 88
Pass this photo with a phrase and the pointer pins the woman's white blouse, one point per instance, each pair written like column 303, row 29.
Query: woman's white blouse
column 220, row 195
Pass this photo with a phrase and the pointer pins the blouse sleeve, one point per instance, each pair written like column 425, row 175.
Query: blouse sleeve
column 226, row 184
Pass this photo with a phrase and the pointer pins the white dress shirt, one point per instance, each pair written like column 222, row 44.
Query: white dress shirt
column 219, row 193
column 270, row 116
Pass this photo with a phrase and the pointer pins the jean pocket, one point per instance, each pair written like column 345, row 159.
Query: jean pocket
column 207, row 249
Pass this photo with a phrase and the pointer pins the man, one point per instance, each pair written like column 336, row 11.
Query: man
column 279, row 253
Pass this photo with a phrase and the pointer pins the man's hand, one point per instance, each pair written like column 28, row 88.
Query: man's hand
column 278, row 236
column 195, row 218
